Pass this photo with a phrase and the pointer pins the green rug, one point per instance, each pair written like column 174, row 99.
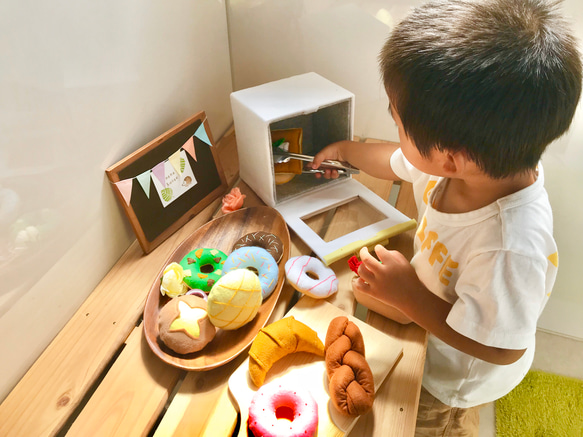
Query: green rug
column 542, row 405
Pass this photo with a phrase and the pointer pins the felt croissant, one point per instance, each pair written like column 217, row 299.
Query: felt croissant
column 277, row 340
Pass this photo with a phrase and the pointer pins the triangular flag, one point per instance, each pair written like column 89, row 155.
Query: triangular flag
column 144, row 180
column 201, row 134
column 189, row 147
column 174, row 159
column 160, row 173
column 125, row 188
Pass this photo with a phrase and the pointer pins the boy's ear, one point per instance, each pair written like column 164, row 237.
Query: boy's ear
column 454, row 163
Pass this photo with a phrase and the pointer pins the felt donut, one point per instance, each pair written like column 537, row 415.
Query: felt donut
column 206, row 267
column 198, row 293
column 281, row 411
column 265, row 240
column 310, row 276
column 255, row 258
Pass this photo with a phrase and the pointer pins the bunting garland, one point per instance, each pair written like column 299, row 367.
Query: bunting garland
column 174, row 160
column 144, row 180
column 172, row 177
column 125, row 188
column 189, row 147
column 158, row 171
column 201, row 135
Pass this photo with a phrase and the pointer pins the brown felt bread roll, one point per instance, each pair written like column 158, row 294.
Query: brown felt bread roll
column 184, row 325
column 351, row 380
column 342, row 336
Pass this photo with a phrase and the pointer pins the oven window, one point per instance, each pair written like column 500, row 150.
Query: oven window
column 343, row 219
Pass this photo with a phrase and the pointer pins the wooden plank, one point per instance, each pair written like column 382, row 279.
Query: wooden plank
column 132, row 394
column 80, row 352
column 57, row 382
column 406, row 204
column 406, row 201
column 393, row 402
column 397, row 401
column 200, row 397
column 224, row 422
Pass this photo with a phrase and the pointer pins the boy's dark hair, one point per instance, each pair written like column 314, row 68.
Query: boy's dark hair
column 496, row 79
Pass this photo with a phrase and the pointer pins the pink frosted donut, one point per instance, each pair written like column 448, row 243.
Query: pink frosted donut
column 310, row 276
column 276, row 410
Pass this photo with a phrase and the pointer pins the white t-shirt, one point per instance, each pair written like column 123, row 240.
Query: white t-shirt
column 496, row 266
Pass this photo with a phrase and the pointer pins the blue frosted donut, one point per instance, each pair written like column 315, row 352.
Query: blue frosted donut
column 255, row 258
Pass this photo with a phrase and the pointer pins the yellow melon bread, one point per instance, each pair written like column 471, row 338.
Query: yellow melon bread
column 234, row 299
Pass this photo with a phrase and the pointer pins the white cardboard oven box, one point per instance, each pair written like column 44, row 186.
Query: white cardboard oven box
column 325, row 113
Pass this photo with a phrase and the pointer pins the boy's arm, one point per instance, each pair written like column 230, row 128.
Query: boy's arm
column 430, row 312
column 396, row 279
column 372, row 158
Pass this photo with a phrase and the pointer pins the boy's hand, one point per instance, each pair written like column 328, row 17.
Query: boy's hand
column 329, row 152
column 371, row 158
column 390, row 278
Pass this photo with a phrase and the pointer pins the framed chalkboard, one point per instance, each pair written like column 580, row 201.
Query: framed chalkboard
column 165, row 183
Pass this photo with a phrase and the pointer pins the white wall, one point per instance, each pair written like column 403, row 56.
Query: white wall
column 83, row 84
column 341, row 39
column 563, row 165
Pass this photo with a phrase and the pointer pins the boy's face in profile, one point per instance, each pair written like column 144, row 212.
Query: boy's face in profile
column 425, row 164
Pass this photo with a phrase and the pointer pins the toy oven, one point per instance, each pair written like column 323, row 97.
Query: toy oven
column 308, row 112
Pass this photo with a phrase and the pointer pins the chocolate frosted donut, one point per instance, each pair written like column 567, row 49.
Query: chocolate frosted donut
column 265, row 240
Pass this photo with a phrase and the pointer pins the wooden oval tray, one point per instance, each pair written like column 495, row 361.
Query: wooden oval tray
column 221, row 234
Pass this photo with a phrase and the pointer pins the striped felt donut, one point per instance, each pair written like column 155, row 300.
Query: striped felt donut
column 310, row 276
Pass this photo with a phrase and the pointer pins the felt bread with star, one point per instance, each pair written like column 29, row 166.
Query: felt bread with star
column 184, row 325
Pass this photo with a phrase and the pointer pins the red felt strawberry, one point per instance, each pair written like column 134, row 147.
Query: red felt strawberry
column 354, row 263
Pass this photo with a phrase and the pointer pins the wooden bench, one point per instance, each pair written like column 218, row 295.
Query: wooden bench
column 99, row 377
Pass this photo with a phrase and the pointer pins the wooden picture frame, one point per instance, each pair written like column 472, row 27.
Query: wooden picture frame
column 151, row 221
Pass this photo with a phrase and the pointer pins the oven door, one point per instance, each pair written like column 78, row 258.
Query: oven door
column 360, row 218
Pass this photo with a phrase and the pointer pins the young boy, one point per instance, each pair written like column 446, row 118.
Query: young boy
column 477, row 89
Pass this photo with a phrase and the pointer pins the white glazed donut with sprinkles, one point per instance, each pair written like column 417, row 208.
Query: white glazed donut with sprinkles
column 283, row 411
column 310, row 276
column 255, row 258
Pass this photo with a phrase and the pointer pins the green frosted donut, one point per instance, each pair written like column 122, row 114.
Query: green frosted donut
column 206, row 267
